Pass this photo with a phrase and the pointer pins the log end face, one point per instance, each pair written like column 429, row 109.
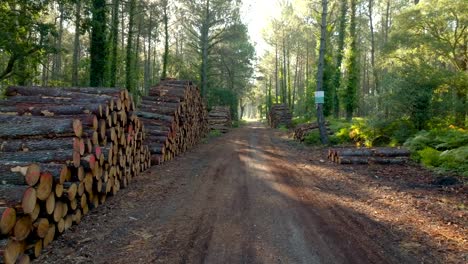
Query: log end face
column 33, row 174
column 8, row 220
column 29, row 200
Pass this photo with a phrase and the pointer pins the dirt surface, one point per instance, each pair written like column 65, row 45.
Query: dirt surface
column 254, row 196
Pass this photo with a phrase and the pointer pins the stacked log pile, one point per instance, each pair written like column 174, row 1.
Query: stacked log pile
column 62, row 152
column 279, row 115
column 368, row 155
column 219, row 118
column 301, row 131
column 175, row 118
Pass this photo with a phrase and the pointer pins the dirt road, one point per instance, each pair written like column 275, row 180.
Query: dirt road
column 251, row 197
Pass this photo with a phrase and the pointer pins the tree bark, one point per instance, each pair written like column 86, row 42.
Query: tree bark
column 76, row 44
column 323, row 31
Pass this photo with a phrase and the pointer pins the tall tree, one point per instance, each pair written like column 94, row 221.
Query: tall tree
column 129, row 63
column 352, row 68
column 206, row 22
column 98, row 49
column 320, row 70
column 76, row 43
column 165, row 8
column 114, row 42
column 339, row 58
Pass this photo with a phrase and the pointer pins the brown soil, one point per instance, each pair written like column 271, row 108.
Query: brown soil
column 254, row 196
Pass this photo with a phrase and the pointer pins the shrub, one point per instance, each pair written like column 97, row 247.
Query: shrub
column 283, row 128
column 430, row 157
column 215, row 133
column 313, row 138
column 455, row 160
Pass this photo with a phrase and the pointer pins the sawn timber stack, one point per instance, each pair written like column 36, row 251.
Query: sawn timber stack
column 175, row 118
column 279, row 115
column 219, row 118
column 62, row 151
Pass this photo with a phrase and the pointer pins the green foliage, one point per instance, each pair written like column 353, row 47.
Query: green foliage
column 283, row 128
column 445, row 149
column 455, row 160
column 99, row 45
column 313, row 138
column 238, row 123
column 23, row 38
column 224, row 97
column 215, row 133
column 300, row 120
column 430, row 157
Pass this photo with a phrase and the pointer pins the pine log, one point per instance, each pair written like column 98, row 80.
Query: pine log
column 41, row 227
column 391, row 152
column 23, row 259
column 44, row 156
column 36, row 144
column 35, row 213
column 18, row 173
column 61, row 92
column 50, row 204
column 50, row 235
column 15, row 195
column 44, row 188
column 353, row 160
column 22, row 228
column 52, row 110
column 8, row 219
column 12, row 251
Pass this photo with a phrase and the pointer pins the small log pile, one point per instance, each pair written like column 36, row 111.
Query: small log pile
column 219, row 118
column 175, row 118
column 279, row 115
column 369, row 155
column 62, row 152
column 301, row 131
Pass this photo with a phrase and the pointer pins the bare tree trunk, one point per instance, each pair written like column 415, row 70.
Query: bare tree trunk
column 130, row 56
column 321, row 63
column 166, row 39
column 276, row 73
column 285, row 76
column 58, row 56
column 76, row 44
column 115, row 42
column 374, row 70
column 204, row 50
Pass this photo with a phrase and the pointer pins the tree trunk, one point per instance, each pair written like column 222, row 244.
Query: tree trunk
column 321, row 64
column 276, row 73
column 129, row 64
column 166, row 39
column 115, row 42
column 98, row 49
column 76, row 45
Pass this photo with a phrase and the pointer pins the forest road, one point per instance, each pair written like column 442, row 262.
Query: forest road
column 244, row 197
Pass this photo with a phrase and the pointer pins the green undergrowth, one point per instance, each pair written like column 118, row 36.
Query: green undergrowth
column 215, row 133
column 441, row 149
column 239, row 123
column 283, row 128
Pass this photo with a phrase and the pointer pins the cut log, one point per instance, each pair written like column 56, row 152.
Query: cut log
column 28, row 126
column 44, row 188
column 49, row 236
column 12, row 251
column 15, row 195
column 8, row 220
column 22, row 228
column 15, row 145
column 42, row 227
